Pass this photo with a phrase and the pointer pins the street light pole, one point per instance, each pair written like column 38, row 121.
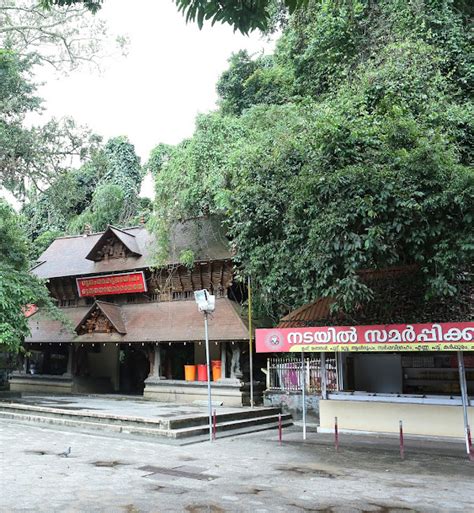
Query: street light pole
column 206, row 303
column 208, row 365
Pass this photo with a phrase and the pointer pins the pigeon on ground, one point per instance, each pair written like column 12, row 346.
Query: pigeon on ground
column 65, row 454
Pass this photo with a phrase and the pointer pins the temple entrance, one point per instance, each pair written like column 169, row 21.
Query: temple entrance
column 134, row 369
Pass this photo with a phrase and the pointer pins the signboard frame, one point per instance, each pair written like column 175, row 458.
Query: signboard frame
column 452, row 336
column 114, row 292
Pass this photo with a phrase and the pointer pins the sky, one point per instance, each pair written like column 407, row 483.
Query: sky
column 153, row 94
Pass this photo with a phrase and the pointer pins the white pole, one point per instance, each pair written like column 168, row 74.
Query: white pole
column 465, row 398
column 250, row 343
column 303, row 392
column 323, row 376
column 208, row 363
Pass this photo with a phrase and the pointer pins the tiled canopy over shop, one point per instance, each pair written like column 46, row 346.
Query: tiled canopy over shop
column 123, row 308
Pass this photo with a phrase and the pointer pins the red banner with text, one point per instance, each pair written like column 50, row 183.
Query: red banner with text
column 127, row 283
column 454, row 336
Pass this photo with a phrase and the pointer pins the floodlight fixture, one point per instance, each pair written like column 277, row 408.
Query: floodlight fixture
column 205, row 301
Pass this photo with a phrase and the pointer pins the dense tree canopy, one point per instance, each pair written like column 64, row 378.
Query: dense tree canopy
column 18, row 288
column 357, row 157
column 243, row 15
column 102, row 191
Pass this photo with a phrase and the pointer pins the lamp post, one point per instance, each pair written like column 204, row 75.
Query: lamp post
column 206, row 304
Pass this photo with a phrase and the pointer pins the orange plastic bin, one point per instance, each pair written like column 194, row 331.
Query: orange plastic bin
column 190, row 373
column 216, row 370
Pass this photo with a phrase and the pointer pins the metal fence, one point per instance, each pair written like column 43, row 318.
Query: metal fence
column 284, row 373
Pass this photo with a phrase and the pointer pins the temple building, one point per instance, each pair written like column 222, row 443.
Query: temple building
column 132, row 325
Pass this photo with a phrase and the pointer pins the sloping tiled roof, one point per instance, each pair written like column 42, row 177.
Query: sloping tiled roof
column 67, row 256
column 111, row 311
column 127, row 239
column 172, row 321
column 306, row 314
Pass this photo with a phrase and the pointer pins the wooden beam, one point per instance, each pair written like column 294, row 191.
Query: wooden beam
column 180, row 280
column 210, row 276
column 200, row 276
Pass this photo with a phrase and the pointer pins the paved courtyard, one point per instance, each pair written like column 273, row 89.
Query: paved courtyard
column 252, row 473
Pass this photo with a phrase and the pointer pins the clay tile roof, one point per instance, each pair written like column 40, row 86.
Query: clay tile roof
column 127, row 239
column 67, row 256
column 170, row 321
column 306, row 314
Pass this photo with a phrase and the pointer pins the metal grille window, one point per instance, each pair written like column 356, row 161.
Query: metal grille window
column 284, row 373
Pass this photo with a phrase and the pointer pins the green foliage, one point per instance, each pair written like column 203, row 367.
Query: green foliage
column 106, row 208
column 102, row 191
column 92, row 5
column 359, row 158
column 35, row 154
column 17, row 287
column 42, row 242
column 244, row 15
column 250, row 82
column 187, row 258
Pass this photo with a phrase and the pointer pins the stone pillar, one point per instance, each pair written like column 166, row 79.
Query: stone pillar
column 235, row 368
column 223, row 359
column 156, row 367
column 70, row 360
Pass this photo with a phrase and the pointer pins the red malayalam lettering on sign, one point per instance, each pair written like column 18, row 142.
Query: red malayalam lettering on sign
column 353, row 338
column 127, row 283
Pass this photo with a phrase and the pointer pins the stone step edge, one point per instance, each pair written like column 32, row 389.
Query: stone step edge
column 229, row 425
column 175, row 434
column 257, row 412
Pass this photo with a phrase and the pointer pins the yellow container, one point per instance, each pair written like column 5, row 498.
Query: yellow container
column 190, row 373
column 216, row 372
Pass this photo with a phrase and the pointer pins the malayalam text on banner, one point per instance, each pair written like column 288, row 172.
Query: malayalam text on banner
column 127, row 283
column 457, row 336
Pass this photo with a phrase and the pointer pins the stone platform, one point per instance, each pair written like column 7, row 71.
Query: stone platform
column 137, row 416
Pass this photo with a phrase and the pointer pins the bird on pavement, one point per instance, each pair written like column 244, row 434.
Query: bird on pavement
column 65, row 454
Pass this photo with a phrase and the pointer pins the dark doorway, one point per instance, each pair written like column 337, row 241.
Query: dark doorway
column 175, row 357
column 134, row 369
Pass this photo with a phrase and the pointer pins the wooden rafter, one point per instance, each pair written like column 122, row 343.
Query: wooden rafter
column 200, row 276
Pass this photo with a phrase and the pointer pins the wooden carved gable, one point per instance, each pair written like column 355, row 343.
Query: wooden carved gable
column 114, row 243
column 96, row 322
column 112, row 248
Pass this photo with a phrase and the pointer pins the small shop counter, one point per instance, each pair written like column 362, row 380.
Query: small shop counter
column 421, row 415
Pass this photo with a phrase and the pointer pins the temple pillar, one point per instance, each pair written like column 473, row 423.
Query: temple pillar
column 235, row 367
column 70, row 360
column 155, row 363
column 223, row 359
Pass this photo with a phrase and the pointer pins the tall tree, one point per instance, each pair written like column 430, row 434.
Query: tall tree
column 33, row 155
column 365, row 164
column 64, row 38
column 18, row 288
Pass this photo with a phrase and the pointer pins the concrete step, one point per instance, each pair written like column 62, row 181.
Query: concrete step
column 182, row 428
column 222, row 426
column 201, row 420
